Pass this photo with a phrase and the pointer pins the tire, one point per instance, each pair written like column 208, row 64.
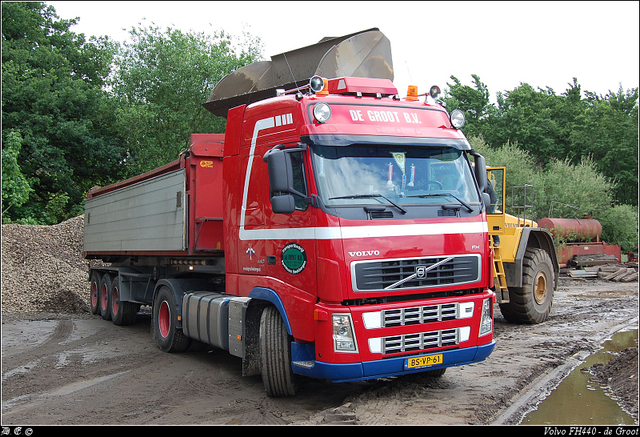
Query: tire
column 105, row 297
column 532, row 302
column 122, row 312
column 168, row 336
column 275, row 354
column 95, row 292
column 435, row 373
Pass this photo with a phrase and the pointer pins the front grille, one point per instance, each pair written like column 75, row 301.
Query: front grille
column 410, row 273
column 416, row 315
column 419, row 341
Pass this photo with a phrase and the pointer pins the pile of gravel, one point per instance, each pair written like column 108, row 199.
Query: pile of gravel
column 43, row 268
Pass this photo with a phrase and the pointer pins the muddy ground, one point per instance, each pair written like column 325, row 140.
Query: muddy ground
column 79, row 369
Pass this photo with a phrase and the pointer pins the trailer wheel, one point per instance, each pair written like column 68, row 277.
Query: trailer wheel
column 532, row 302
column 95, row 293
column 105, row 297
column 275, row 352
column 122, row 312
column 165, row 321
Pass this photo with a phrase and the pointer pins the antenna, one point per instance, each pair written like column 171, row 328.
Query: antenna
column 290, row 71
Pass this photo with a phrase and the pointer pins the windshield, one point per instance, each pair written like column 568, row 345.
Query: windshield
column 361, row 175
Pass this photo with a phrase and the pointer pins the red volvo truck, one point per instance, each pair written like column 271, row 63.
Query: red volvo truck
column 335, row 231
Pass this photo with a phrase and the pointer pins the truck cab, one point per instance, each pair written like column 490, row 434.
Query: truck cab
column 360, row 212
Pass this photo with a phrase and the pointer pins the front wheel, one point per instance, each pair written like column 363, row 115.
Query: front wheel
column 275, row 351
column 532, row 302
column 169, row 337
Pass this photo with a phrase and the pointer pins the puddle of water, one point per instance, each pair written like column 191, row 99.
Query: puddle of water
column 576, row 401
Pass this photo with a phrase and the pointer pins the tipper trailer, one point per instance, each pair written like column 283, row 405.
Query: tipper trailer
column 335, row 231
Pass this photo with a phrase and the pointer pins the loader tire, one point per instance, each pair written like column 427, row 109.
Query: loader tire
column 168, row 336
column 532, row 302
column 275, row 353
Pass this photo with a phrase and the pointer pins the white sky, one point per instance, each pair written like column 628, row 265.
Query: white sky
column 505, row 43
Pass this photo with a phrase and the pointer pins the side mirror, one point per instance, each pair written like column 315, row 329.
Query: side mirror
column 283, row 204
column 480, row 170
column 280, row 171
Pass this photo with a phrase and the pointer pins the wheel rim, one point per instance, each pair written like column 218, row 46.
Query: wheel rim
column 94, row 294
column 104, row 297
column 115, row 300
column 164, row 319
column 540, row 290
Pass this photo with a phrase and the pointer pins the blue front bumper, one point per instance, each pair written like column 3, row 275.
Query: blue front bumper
column 343, row 372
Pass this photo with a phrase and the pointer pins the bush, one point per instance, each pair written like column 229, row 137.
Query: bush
column 582, row 186
column 620, row 226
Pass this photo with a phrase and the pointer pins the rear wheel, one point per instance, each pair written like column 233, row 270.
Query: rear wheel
column 275, row 351
column 122, row 312
column 532, row 302
column 104, row 297
column 95, row 293
column 169, row 337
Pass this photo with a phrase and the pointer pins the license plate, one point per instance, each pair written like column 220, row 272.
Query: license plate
column 425, row 361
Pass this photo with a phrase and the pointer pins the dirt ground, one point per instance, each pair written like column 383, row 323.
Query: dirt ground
column 61, row 369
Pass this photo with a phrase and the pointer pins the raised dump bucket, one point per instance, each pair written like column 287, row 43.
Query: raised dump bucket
column 361, row 54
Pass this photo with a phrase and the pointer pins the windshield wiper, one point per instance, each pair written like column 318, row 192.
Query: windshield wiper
column 462, row 202
column 364, row 196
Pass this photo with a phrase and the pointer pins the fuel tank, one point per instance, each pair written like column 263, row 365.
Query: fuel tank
column 573, row 229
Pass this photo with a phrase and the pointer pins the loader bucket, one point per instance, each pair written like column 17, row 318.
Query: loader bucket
column 361, row 54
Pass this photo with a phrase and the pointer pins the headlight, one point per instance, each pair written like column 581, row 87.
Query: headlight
column 322, row 112
column 343, row 338
column 316, row 83
column 434, row 92
column 457, row 118
column 486, row 320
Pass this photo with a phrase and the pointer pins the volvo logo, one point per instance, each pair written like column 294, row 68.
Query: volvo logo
column 365, row 253
column 421, row 272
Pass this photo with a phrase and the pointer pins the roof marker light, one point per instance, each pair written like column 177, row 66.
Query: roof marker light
column 412, row 93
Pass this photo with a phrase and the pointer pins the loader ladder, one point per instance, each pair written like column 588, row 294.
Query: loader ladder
column 502, row 292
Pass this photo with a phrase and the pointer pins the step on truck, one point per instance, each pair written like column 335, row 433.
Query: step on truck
column 336, row 230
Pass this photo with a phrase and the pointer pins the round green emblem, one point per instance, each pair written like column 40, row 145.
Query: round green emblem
column 294, row 258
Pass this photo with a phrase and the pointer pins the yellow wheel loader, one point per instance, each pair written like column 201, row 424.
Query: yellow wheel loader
column 524, row 256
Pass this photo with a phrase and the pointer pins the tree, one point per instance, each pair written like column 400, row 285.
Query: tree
column 607, row 131
column 162, row 78
column 473, row 101
column 574, row 126
column 52, row 94
column 15, row 187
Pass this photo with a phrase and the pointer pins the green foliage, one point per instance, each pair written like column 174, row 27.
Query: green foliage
column 15, row 187
column 161, row 81
column 521, row 169
column 581, row 186
column 571, row 126
column 473, row 101
column 52, row 94
column 571, row 190
column 620, row 226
